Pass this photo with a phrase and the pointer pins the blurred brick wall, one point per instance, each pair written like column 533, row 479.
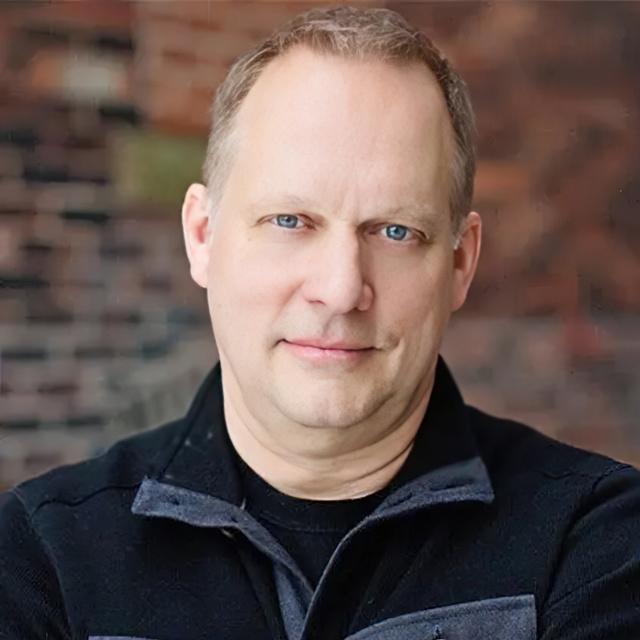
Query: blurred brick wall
column 97, row 307
column 102, row 104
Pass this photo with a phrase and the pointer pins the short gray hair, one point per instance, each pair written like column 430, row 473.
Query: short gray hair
column 358, row 33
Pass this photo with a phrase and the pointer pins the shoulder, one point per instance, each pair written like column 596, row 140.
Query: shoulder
column 72, row 502
column 122, row 466
column 518, row 455
column 589, row 506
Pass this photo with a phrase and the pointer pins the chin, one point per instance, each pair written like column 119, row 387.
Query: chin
column 324, row 410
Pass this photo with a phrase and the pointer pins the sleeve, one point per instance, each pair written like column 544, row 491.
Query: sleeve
column 31, row 606
column 596, row 590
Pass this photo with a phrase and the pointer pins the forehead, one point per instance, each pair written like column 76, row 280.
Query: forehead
column 323, row 92
column 320, row 120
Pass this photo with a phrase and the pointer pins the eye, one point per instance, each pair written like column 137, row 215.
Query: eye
column 396, row 232
column 285, row 220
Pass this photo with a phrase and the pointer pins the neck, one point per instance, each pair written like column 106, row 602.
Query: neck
column 334, row 468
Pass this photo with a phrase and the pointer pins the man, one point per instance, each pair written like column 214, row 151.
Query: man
column 328, row 481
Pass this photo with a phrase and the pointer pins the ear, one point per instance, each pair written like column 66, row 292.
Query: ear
column 465, row 258
column 195, row 217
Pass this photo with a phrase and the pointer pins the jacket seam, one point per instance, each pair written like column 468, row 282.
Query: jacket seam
column 573, row 473
column 551, row 605
column 48, row 554
column 552, row 443
column 71, row 502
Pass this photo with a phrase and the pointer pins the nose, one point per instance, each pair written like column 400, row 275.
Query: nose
column 335, row 275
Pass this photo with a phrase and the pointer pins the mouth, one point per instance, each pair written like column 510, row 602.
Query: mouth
column 317, row 354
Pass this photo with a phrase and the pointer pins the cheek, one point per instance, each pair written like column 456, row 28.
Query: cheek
column 417, row 302
column 244, row 275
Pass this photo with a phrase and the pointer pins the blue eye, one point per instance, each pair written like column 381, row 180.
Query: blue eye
column 286, row 221
column 397, row 232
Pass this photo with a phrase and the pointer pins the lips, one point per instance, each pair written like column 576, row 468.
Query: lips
column 318, row 353
column 339, row 345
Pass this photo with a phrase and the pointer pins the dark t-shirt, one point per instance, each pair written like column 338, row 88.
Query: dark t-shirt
column 310, row 530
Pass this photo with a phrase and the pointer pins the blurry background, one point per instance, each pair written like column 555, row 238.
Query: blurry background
column 103, row 120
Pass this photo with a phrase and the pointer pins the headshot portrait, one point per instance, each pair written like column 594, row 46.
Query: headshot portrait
column 335, row 340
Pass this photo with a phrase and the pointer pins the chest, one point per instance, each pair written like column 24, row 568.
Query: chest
column 409, row 579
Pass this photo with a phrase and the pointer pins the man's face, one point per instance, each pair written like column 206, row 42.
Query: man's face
column 334, row 226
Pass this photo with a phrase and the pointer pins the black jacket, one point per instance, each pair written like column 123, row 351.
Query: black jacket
column 492, row 531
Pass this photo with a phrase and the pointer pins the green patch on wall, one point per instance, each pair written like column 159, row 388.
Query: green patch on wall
column 154, row 168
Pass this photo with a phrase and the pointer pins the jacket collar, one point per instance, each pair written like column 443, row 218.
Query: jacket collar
column 444, row 464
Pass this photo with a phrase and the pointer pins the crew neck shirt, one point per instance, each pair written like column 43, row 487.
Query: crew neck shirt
column 309, row 530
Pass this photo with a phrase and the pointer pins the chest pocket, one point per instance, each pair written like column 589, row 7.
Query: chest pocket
column 510, row 618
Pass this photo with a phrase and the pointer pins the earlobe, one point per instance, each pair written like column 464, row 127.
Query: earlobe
column 465, row 258
column 195, row 217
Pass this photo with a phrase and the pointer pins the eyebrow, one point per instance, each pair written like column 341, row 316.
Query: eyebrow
column 418, row 214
